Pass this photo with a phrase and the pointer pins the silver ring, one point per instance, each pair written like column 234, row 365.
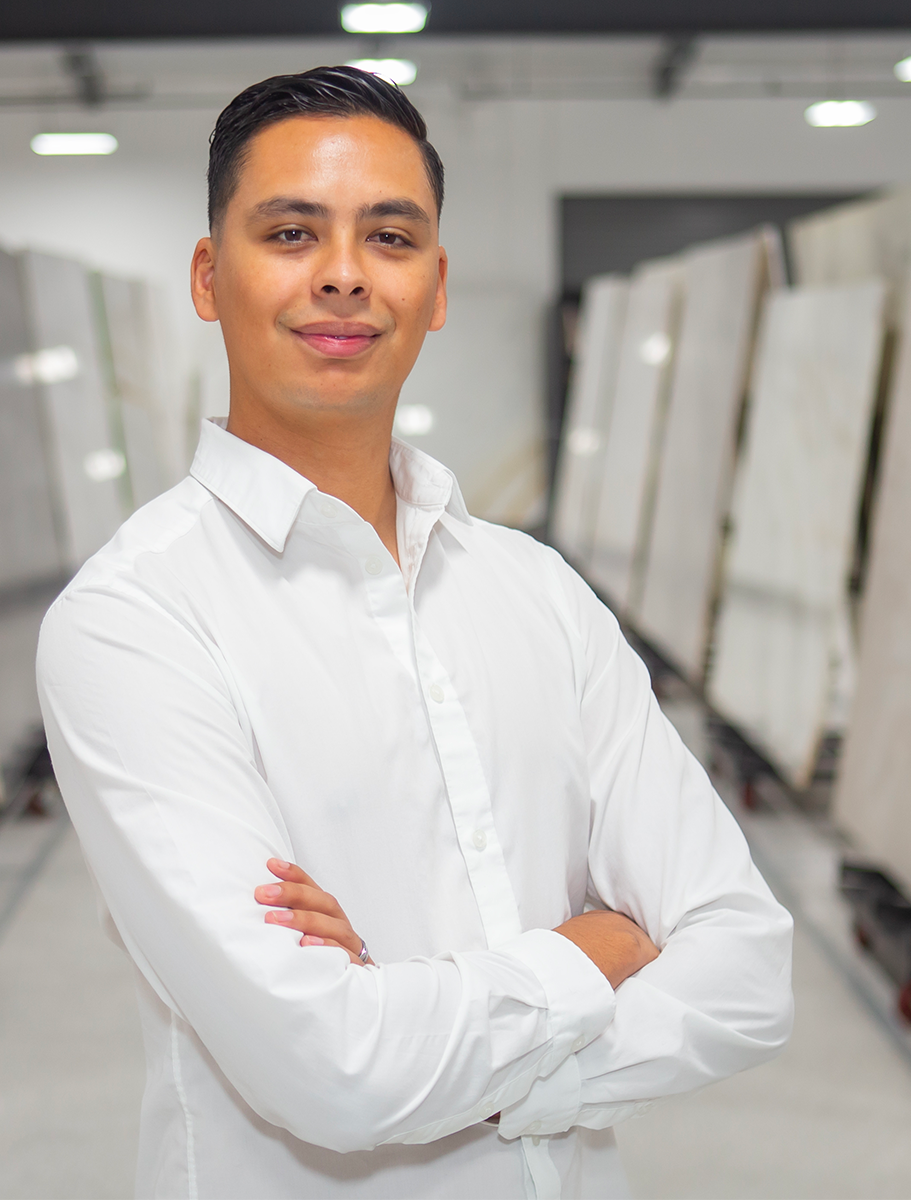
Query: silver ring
column 364, row 952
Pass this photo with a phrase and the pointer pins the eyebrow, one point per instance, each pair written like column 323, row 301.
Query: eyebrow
column 401, row 207
column 280, row 206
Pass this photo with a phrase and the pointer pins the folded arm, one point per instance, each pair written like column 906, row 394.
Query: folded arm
column 160, row 774
column 665, row 851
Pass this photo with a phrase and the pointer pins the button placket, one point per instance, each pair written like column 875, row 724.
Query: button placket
column 469, row 800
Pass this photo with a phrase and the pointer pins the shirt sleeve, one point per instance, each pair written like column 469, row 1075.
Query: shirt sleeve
column 664, row 850
column 160, row 773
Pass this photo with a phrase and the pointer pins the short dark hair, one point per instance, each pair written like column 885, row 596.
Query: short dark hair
column 322, row 92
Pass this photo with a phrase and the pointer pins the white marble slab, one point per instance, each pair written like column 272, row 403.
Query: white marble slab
column 849, row 243
column 629, row 466
column 86, row 464
column 723, row 283
column 133, row 374
column 473, row 401
column 873, row 797
column 29, row 547
column 588, row 414
column 794, row 518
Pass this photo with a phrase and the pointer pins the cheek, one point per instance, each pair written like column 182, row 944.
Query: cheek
column 255, row 297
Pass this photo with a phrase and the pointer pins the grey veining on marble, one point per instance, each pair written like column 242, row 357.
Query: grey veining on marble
column 29, row 545
column 794, row 517
column 588, row 415
column 134, row 375
column 723, row 284
column 873, row 796
column 865, row 239
column 61, row 314
column 629, row 470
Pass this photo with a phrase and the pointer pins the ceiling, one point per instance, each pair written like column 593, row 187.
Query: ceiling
column 197, row 73
column 56, row 20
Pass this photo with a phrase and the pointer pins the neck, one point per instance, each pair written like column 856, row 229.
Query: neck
column 347, row 458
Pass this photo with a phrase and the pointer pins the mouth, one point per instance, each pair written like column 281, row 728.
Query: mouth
column 338, row 340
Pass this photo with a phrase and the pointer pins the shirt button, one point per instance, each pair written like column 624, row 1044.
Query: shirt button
column 327, row 509
column 479, row 837
column 373, row 565
column 533, row 1128
column 437, row 693
column 536, row 1141
column 578, row 1044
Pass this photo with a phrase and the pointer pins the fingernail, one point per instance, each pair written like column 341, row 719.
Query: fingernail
column 310, row 939
column 270, row 891
column 282, row 917
column 281, row 864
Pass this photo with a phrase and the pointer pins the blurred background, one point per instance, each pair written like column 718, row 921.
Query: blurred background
column 679, row 349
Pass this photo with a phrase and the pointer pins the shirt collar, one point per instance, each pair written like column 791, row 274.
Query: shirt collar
column 268, row 495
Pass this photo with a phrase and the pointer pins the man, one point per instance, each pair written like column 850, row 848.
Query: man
column 308, row 656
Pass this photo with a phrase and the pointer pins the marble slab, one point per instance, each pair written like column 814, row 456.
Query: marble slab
column 866, row 239
column 588, row 414
column 473, row 401
column 723, row 282
column 133, row 376
column 872, row 798
column 629, row 466
column 794, row 518
column 87, row 467
column 29, row 547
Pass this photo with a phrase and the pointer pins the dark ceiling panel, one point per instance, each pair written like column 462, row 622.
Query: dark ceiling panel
column 96, row 19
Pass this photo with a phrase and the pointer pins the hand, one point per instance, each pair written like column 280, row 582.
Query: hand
column 308, row 909
column 614, row 943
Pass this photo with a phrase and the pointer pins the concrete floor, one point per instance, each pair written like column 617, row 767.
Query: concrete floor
column 828, row 1119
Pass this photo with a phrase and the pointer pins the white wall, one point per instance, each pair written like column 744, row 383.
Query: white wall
column 140, row 211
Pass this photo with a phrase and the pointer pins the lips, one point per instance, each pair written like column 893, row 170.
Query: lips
column 337, row 339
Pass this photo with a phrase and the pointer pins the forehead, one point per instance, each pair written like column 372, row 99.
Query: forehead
column 340, row 158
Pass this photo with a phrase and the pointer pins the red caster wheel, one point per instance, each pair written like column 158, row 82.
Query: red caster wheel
column 904, row 1002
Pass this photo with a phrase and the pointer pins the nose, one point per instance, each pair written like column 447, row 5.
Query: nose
column 340, row 270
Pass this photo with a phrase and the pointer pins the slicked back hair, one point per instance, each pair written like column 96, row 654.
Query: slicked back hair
column 322, row 92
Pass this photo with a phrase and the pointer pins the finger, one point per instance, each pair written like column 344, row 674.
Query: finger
column 307, row 940
column 298, row 895
column 316, row 924
column 290, row 871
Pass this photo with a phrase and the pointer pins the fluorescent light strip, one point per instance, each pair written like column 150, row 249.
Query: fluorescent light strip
column 396, row 70
column 74, row 143
column 383, row 18
column 829, row 114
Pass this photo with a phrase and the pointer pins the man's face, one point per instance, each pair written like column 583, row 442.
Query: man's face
column 326, row 272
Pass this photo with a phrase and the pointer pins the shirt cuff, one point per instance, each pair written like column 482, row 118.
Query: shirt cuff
column 580, row 1005
column 580, row 1001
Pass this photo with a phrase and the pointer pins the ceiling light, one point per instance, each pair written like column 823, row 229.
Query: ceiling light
column 903, row 70
column 396, row 70
column 829, row 113
column 383, row 18
column 74, row 143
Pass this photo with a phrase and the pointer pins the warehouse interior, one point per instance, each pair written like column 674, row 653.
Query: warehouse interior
column 678, row 349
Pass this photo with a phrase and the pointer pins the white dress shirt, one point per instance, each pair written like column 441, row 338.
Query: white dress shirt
column 464, row 752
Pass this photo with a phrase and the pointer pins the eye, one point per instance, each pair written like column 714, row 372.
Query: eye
column 387, row 238
column 291, row 237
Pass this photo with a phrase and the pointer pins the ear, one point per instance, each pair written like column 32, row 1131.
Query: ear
column 438, row 319
column 202, row 279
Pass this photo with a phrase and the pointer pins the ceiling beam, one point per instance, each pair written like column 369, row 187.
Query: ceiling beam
column 63, row 20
